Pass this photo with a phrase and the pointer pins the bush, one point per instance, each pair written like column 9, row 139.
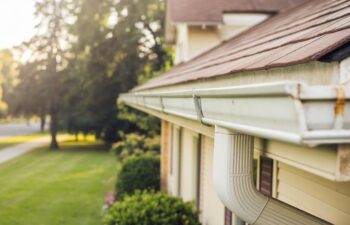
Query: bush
column 135, row 144
column 150, row 208
column 139, row 173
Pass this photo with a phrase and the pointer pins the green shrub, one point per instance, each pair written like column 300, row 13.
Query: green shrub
column 138, row 173
column 135, row 144
column 150, row 208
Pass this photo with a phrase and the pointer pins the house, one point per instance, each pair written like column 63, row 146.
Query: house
column 256, row 115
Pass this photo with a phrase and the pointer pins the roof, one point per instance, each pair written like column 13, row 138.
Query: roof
column 211, row 11
column 301, row 35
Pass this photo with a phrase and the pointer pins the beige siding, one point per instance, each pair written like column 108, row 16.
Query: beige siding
column 212, row 209
column 326, row 199
column 165, row 149
column 320, row 160
column 201, row 39
column 174, row 159
column 226, row 32
column 188, row 165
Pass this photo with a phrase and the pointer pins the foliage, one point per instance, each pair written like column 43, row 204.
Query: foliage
column 41, row 76
column 29, row 96
column 85, row 53
column 136, row 144
column 8, row 79
column 123, row 42
column 150, row 208
column 145, row 123
column 139, row 173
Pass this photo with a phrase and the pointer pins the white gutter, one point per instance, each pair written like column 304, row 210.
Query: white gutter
column 289, row 111
column 233, row 181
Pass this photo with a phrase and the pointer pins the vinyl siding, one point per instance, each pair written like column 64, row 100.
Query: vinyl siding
column 188, row 174
column 165, row 149
column 174, row 161
column 323, row 198
column 213, row 211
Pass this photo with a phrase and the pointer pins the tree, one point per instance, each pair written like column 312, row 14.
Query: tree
column 46, row 62
column 117, row 43
column 85, row 54
column 29, row 96
column 8, row 79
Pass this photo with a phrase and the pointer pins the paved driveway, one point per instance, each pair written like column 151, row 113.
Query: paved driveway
column 12, row 152
column 18, row 129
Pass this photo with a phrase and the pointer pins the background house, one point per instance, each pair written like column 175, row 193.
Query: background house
column 230, row 56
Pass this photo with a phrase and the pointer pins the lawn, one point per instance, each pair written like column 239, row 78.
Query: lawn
column 63, row 187
column 6, row 142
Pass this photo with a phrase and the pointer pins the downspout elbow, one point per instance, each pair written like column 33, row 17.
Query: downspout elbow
column 233, row 181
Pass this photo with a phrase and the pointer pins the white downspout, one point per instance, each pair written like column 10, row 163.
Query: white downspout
column 233, row 181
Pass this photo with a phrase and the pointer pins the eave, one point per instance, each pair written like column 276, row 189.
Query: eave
column 292, row 116
column 286, row 111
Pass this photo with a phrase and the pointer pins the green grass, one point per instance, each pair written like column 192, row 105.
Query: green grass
column 6, row 142
column 63, row 187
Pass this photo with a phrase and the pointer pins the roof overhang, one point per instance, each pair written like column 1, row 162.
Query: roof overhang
column 286, row 111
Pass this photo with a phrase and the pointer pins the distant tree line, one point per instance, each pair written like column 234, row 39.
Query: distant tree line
column 85, row 53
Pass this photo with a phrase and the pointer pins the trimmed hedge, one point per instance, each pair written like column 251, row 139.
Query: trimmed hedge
column 150, row 208
column 135, row 144
column 139, row 173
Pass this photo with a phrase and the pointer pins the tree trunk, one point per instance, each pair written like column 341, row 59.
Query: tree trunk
column 53, row 130
column 98, row 134
column 42, row 123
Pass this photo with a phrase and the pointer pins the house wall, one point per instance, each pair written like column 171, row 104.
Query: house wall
column 188, row 173
column 326, row 199
column 174, row 161
column 181, row 43
column 311, row 193
column 165, row 150
column 201, row 39
column 213, row 210
column 193, row 40
column 183, row 175
column 345, row 71
column 226, row 32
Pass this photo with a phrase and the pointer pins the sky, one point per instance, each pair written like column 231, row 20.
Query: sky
column 16, row 22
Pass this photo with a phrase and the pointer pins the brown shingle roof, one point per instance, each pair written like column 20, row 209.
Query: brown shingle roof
column 211, row 11
column 300, row 35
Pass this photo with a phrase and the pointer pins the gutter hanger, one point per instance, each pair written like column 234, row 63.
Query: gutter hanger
column 233, row 181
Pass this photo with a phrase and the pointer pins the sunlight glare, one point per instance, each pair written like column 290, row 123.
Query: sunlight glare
column 16, row 22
